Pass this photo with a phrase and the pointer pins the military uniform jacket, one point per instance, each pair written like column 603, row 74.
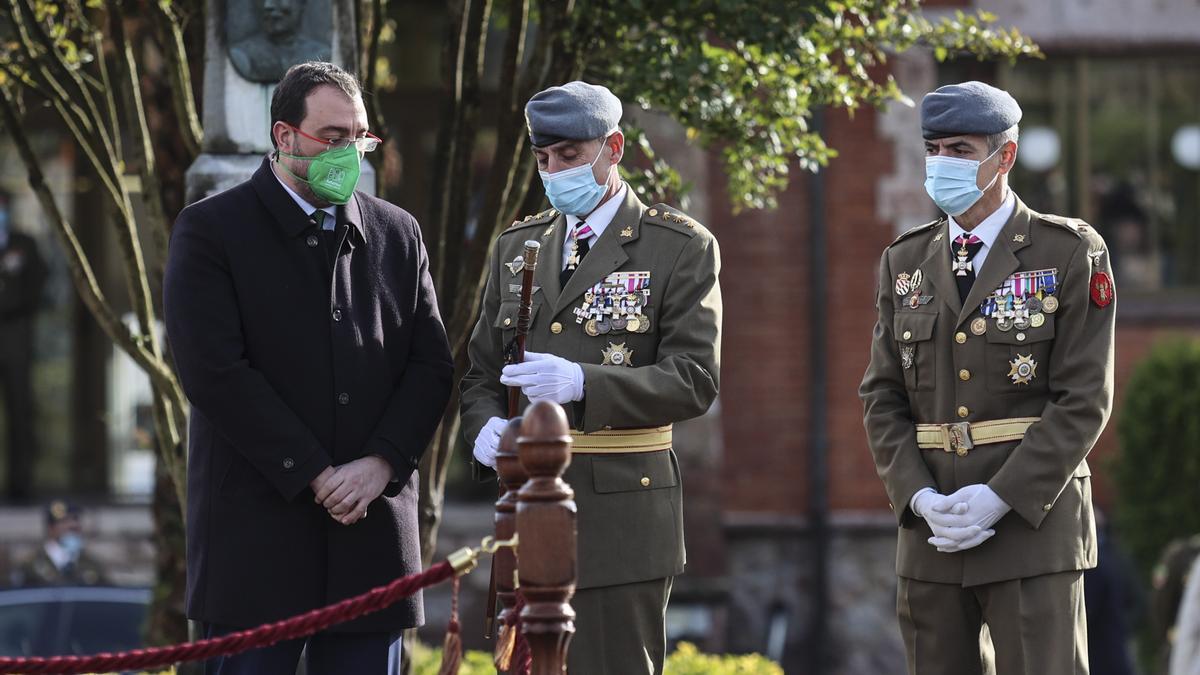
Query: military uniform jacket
column 950, row 373
column 630, row 529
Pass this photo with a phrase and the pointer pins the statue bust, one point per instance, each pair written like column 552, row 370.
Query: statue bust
column 265, row 54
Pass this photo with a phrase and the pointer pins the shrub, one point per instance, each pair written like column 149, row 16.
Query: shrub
column 687, row 660
column 1158, row 468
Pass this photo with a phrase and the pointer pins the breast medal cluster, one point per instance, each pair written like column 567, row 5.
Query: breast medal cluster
column 617, row 303
column 1023, row 300
column 908, row 287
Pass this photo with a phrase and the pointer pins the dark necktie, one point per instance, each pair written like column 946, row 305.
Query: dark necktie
column 579, row 248
column 962, row 256
column 328, row 235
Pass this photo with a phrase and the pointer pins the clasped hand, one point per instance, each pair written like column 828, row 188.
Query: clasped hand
column 346, row 490
column 962, row 520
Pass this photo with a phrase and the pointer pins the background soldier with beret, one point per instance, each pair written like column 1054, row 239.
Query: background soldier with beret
column 991, row 377
column 625, row 334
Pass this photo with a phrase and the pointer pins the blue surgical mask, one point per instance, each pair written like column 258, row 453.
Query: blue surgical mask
column 71, row 543
column 952, row 182
column 574, row 191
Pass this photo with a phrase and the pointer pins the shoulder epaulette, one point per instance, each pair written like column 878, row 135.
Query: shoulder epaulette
column 917, row 230
column 1073, row 225
column 537, row 219
column 669, row 216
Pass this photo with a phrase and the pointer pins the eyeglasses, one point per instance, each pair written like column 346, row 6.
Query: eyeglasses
column 367, row 143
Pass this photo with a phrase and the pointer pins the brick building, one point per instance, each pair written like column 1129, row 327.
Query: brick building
column 1108, row 115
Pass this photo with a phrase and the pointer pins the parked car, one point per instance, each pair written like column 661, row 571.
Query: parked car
column 54, row 620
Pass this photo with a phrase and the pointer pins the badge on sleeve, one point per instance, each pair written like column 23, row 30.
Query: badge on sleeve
column 1103, row 292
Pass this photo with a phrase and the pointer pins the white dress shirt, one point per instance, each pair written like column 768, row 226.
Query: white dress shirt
column 308, row 209
column 598, row 220
column 988, row 230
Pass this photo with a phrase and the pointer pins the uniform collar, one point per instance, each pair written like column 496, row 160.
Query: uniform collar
column 599, row 219
column 989, row 229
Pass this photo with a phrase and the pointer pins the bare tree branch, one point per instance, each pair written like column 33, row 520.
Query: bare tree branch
column 169, row 27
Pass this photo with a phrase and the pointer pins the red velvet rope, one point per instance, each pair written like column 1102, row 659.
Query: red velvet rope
column 522, row 659
column 234, row 643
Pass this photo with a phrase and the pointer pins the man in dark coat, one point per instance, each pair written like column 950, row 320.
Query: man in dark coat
column 22, row 278
column 307, row 336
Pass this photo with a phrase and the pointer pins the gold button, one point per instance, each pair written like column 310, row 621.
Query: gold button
column 964, row 374
column 1047, row 507
column 1020, row 337
column 508, row 322
column 653, row 212
column 556, row 328
column 962, row 411
column 960, row 338
column 908, row 335
column 645, row 481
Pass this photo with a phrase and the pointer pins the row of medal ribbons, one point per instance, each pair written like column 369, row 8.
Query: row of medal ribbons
column 1023, row 300
column 616, row 303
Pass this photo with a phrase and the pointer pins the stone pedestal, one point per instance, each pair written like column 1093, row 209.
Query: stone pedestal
column 236, row 110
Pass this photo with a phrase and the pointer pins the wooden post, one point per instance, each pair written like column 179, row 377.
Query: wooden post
column 504, row 561
column 546, row 525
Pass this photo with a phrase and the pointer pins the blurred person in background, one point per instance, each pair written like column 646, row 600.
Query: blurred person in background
column 61, row 560
column 1185, row 654
column 22, row 277
column 1113, row 602
column 1169, row 581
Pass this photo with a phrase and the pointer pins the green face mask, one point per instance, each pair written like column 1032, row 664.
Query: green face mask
column 332, row 175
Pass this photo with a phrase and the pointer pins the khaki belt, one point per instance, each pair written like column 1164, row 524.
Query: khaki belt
column 960, row 437
column 622, row 440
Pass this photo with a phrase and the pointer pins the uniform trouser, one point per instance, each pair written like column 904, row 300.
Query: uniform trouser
column 1037, row 626
column 324, row 653
column 620, row 630
column 17, row 384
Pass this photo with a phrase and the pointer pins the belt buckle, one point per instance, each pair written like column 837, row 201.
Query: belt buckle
column 956, row 438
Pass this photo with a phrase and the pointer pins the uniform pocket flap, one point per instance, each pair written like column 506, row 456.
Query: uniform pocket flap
column 506, row 317
column 914, row 326
column 1017, row 336
column 629, row 472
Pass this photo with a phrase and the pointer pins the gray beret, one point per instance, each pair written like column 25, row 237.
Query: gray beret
column 576, row 111
column 967, row 108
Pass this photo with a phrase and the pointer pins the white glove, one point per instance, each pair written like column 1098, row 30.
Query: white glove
column 948, row 532
column 545, row 377
column 488, row 441
column 972, row 506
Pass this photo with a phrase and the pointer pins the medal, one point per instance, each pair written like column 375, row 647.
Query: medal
column 1037, row 320
column 590, row 328
column 1022, row 369
column 916, row 300
column 633, row 324
column 979, row 326
column 619, row 323
column 603, row 326
column 1005, row 324
column 643, row 323
column 618, row 355
column 1033, row 305
column 1049, row 304
column 903, row 284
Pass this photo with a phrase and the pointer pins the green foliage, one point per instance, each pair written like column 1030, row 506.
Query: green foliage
column 1158, row 469
column 745, row 77
column 687, row 660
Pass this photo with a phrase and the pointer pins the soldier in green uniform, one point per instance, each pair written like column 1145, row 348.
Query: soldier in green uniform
column 625, row 334
column 991, row 377
column 62, row 559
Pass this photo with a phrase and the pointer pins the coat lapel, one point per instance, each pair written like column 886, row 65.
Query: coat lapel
column 609, row 252
column 1001, row 260
column 549, row 257
column 936, row 268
